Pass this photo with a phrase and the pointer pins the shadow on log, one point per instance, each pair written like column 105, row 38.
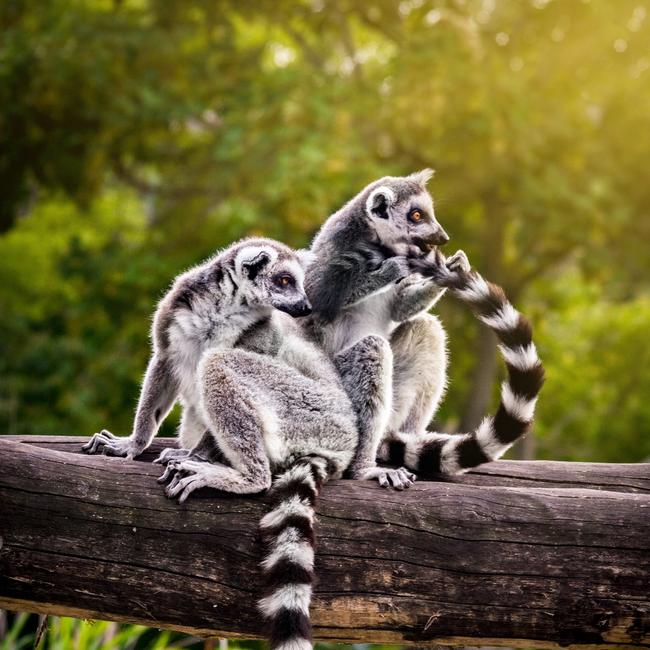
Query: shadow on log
column 517, row 553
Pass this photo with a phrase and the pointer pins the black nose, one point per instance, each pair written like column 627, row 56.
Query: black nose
column 440, row 237
column 298, row 309
column 303, row 309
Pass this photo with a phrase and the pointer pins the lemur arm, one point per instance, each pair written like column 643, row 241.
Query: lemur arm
column 158, row 394
column 347, row 279
column 390, row 271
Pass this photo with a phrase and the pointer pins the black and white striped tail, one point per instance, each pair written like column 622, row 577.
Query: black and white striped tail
column 436, row 453
column 288, row 566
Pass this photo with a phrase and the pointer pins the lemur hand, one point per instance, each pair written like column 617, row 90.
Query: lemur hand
column 106, row 443
column 430, row 265
column 458, row 262
column 395, row 269
column 446, row 272
column 399, row 479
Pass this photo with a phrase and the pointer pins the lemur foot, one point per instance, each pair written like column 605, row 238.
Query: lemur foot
column 399, row 479
column 189, row 475
column 106, row 443
column 172, row 462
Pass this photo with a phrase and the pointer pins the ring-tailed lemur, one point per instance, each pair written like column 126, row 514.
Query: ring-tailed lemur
column 257, row 395
column 371, row 292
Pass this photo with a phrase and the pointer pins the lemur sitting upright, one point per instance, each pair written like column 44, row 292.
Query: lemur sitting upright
column 256, row 393
column 373, row 276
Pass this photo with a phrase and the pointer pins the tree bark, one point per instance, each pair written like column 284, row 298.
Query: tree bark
column 516, row 554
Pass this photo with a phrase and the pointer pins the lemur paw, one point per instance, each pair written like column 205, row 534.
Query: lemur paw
column 458, row 262
column 176, row 462
column 398, row 479
column 168, row 455
column 106, row 443
column 187, row 476
column 430, row 265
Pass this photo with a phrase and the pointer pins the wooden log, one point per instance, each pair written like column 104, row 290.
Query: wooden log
column 451, row 563
column 615, row 477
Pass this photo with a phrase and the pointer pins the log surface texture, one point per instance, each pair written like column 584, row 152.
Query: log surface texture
column 520, row 554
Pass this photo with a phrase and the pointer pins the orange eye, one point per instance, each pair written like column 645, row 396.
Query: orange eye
column 285, row 280
column 416, row 216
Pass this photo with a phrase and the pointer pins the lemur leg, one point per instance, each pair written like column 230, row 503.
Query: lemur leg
column 191, row 429
column 366, row 370
column 419, row 381
column 158, row 394
column 237, row 423
column 419, row 355
column 419, row 373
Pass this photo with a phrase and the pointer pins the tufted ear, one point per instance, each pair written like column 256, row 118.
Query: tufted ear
column 422, row 177
column 253, row 265
column 379, row 201
column 305, row 257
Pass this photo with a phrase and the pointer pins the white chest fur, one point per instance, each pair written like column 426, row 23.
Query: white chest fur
column 369, row 316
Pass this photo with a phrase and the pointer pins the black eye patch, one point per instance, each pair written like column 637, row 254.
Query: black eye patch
column 254, row 266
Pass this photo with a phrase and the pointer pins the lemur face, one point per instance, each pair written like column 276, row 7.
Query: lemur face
column 401, row 211
column 274, row 278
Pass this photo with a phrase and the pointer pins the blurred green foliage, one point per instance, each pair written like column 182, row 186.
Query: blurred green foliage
column 137, row 136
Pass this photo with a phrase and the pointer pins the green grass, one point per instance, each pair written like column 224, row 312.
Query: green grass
column 64, row 633
column 72, row 634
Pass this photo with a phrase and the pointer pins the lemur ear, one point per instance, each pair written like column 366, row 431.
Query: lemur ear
column 254, row 265
column 422, row 177
column 305, row 257
column 379, row 200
